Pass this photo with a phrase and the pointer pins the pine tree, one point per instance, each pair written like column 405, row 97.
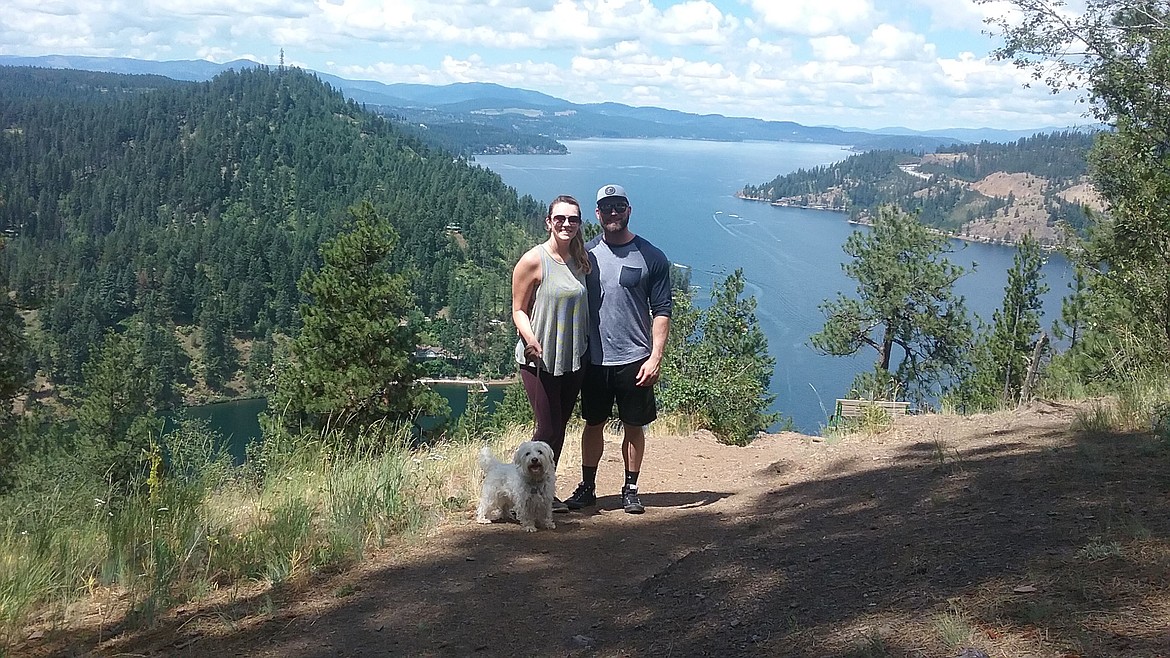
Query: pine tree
column 717, row 368
column 475, row 422
column 115, row 421
column 219, row 356
column 1117, row 54
column 905, row 310
column 1016, row 325
column 353, row 361
column 14, row 378
column 1000, row 358
column 14, row 352
column 514, row 410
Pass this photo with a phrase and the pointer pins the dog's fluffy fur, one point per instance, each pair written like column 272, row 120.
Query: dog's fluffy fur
column 524, row 487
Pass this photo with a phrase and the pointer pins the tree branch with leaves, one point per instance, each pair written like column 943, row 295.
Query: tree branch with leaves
column 905, row 309
column 353, row 362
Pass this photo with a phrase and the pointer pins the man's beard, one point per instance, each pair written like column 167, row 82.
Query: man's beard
column 615, row 226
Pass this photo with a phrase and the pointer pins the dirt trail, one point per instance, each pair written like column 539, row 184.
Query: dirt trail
column 789, row 547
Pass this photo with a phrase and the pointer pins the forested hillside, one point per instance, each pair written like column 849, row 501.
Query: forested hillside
column 475, row 138
column 984, row 191
column 192, row 209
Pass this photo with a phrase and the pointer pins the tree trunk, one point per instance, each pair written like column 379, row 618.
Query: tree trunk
column 1033, row 368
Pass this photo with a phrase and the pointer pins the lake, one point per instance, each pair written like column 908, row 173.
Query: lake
column 238, row 421
column 683, row 198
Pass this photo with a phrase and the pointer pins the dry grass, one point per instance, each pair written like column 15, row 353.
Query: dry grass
column 1036, row 532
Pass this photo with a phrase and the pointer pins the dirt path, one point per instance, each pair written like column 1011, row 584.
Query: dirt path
column 940, row 534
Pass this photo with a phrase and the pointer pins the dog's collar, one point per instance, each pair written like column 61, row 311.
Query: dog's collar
column 533, row 490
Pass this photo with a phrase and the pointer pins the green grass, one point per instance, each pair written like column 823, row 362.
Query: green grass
column 1097, row 549
column 301, row 503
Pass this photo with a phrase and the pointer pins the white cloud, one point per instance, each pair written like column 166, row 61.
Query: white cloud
column 851, row 62
column 836, row 48
column 694, row 22
column 888, row 43
column 768, row 49
column 814, row 17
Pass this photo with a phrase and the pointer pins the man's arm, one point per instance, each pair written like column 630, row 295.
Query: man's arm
column 650, row 370
column 661, row 307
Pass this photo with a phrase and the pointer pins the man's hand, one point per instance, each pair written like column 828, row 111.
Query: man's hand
column 648, row 373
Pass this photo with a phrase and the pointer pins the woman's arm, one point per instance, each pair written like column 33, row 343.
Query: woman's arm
column 525, row 279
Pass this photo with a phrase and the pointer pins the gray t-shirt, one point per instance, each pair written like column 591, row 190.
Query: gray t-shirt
column 628, row 286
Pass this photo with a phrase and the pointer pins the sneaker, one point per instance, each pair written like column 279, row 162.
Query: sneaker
column 559, row 507
column 584, row 496
column 631, row 502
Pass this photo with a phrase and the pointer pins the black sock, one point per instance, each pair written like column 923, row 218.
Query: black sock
column 589, row 476
column 632, row 480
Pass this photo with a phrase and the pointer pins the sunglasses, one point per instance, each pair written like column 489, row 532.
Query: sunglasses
column 566, row 219
column 612, row 207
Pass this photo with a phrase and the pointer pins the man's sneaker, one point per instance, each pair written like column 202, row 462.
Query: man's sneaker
column 631, row 502
column 559, row 507
column 584, row 496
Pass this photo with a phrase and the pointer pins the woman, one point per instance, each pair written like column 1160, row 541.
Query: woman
column 550, row 311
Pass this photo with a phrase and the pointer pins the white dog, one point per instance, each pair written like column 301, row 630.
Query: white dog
column 525, row 487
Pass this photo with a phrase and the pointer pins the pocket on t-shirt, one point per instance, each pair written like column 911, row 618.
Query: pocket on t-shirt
column 630, row 276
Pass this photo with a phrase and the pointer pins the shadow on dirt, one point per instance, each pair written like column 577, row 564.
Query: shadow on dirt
column 808, row 568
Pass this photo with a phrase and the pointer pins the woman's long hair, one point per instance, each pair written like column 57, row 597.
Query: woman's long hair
column 577, row 244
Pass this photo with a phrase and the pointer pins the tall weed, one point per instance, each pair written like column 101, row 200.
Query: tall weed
column 194, row 523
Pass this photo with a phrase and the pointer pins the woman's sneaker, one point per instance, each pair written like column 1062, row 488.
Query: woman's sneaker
column 584, row 496
column 559, row 507
column 631, row 502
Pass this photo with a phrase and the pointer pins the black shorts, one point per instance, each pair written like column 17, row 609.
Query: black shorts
column 605, row 385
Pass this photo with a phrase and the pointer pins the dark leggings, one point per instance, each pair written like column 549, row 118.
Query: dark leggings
column 553, row 398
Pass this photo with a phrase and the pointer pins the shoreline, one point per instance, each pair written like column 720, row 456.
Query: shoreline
column 975, row 239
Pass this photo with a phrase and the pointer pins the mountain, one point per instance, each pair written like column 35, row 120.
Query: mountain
column 200, row 205
column 976, row 135
column 987, row 192
column 191, row 70
column 524, row 111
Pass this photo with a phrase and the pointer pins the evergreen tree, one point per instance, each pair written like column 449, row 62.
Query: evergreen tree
column 1016, row 325
column 354, row 359
column 1073, row 311
column 1118, row 53
column 717, row 368
column 14, row 352
column 115, row 421
column 475, row 422
column 166, row 361
column 258, row 374
column 1001, row 357
column 514, row 410
column 14, row 378
column 219, row 356
column 905, row 309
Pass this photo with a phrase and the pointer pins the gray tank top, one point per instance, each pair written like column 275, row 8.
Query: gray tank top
column 560, row 316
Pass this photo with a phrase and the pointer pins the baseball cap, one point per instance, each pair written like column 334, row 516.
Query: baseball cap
column 607, row 191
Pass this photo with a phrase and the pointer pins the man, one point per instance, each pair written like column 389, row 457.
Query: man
column 629, row 319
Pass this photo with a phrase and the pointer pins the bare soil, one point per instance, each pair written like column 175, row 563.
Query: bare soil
column 1008, row 533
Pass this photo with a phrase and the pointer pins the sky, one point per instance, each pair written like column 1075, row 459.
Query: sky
column 919, row 64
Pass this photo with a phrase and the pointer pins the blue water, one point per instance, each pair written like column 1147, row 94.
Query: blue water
column 237, row 422
column 683, row 198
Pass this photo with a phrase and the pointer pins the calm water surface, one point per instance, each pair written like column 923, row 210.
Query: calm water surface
column 683, row 196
